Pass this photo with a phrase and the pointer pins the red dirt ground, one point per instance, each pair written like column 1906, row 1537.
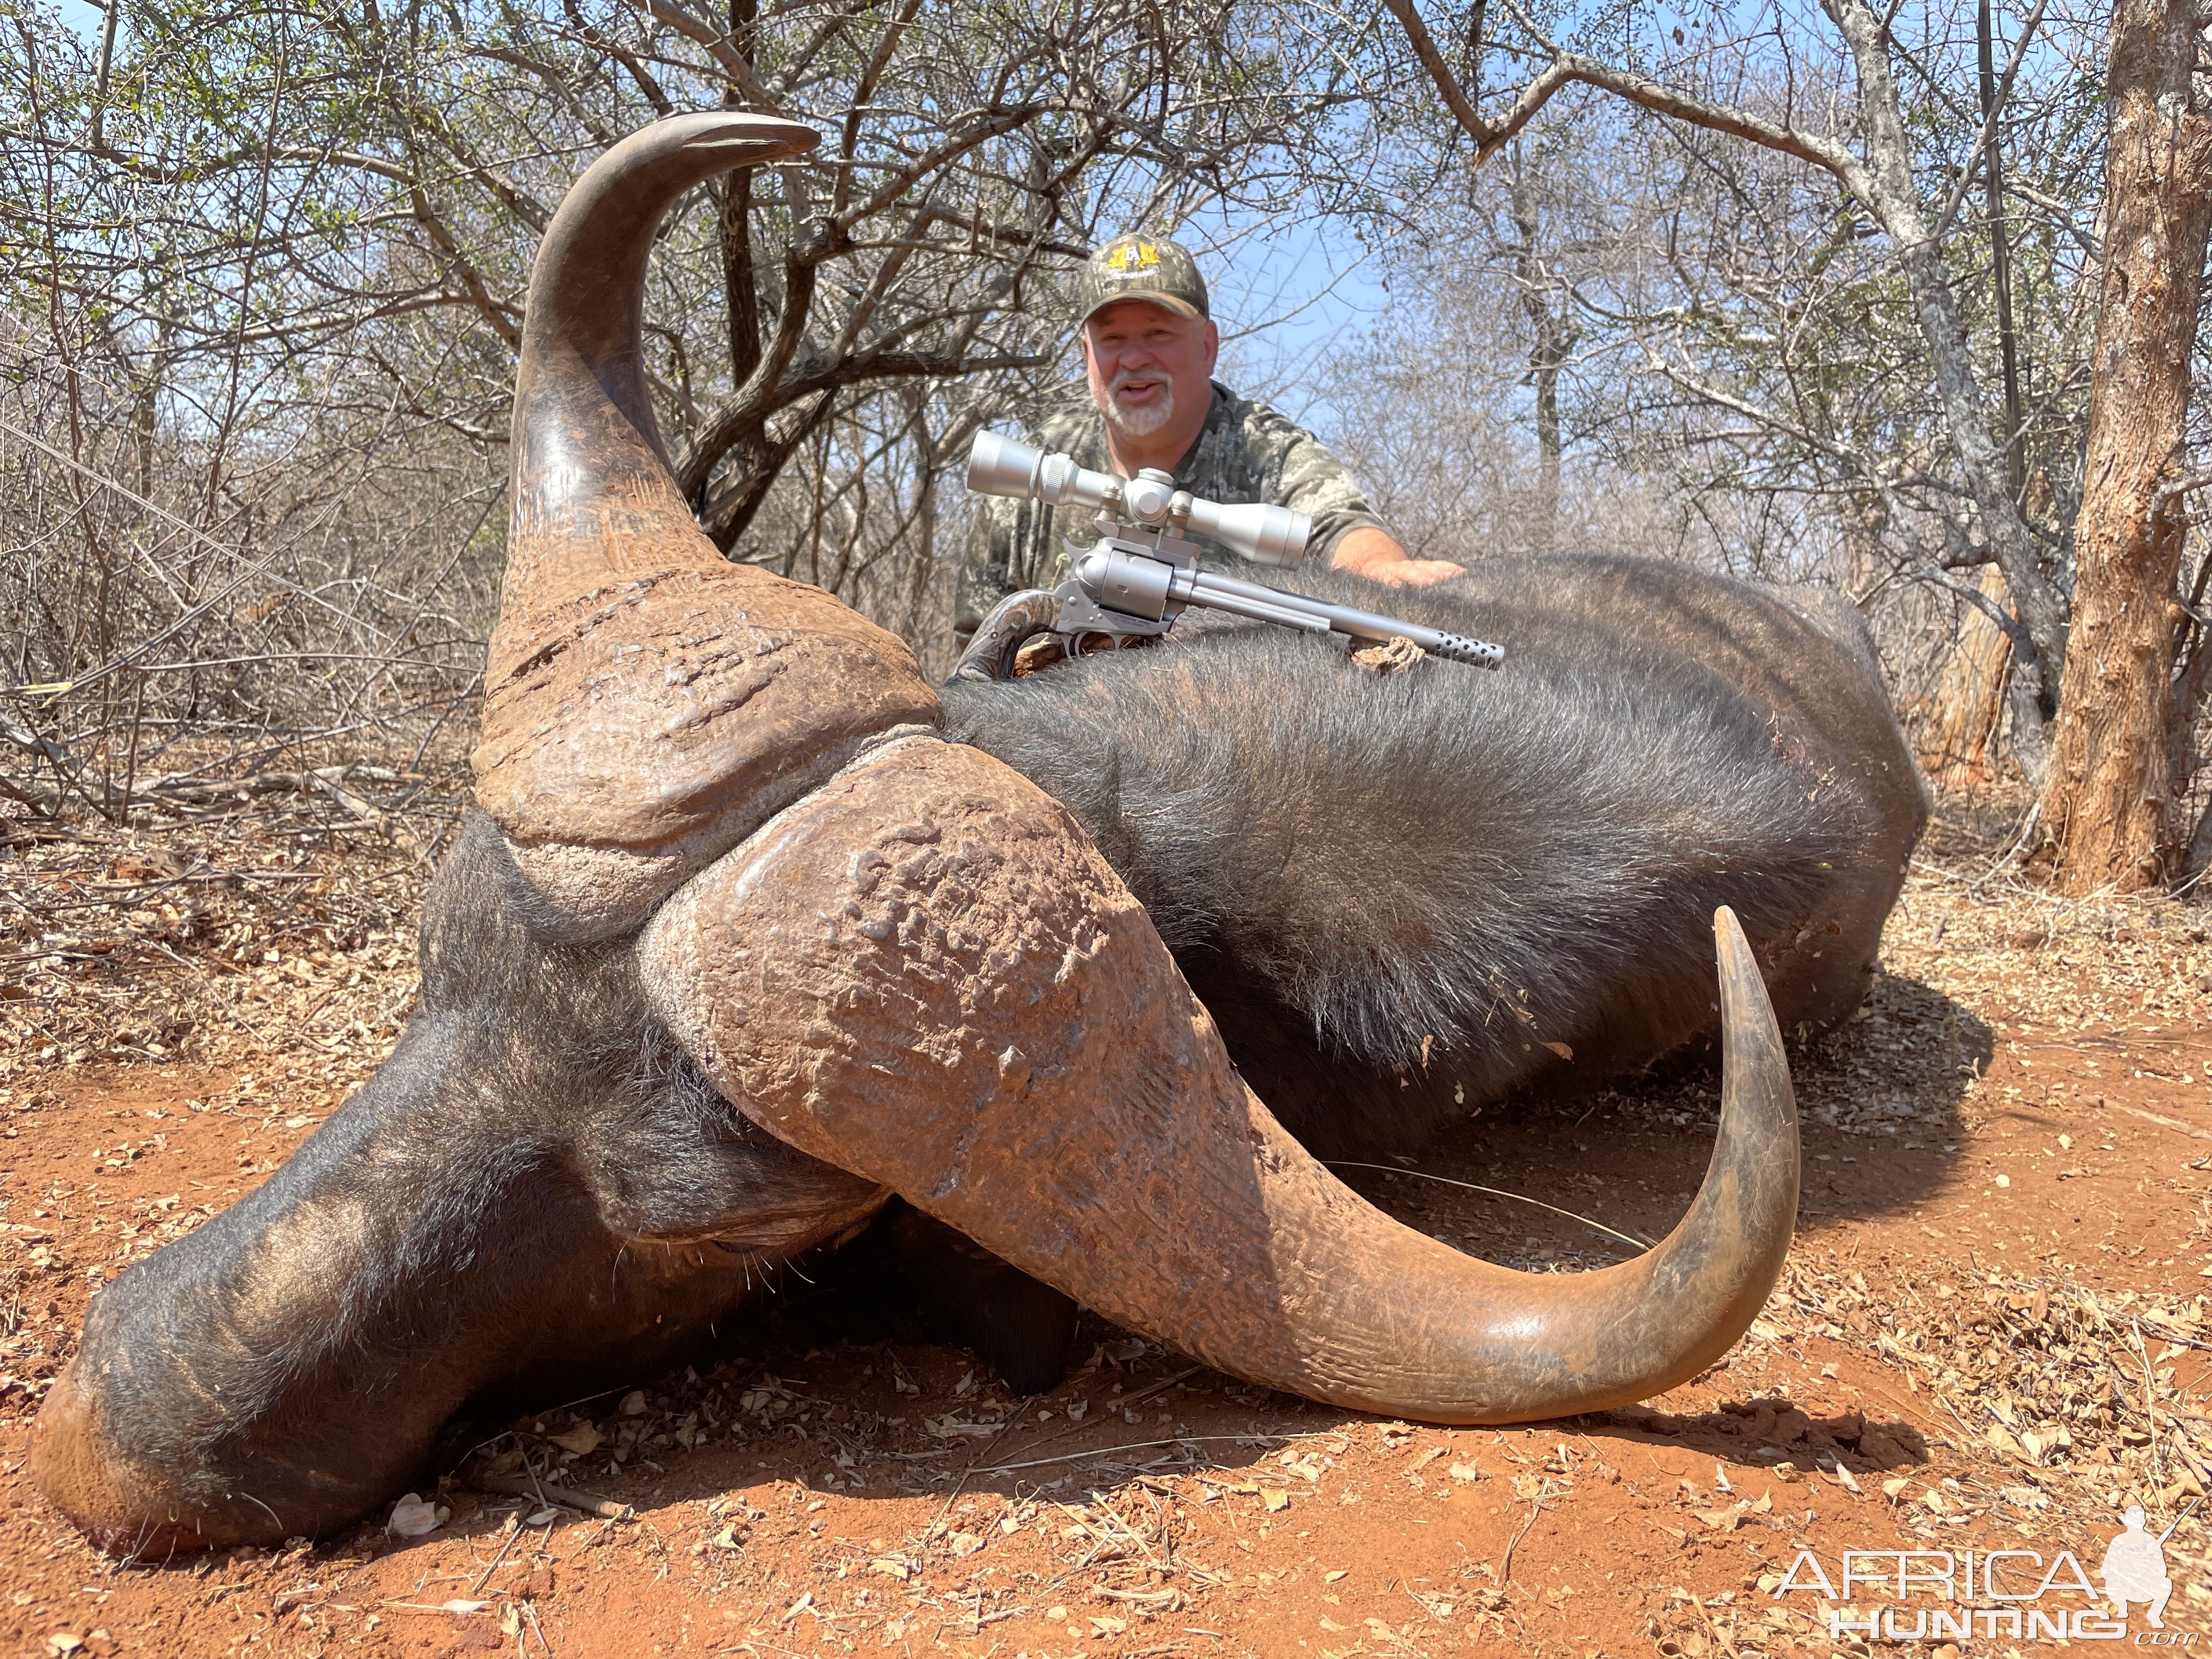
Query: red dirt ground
column 1991, row 1336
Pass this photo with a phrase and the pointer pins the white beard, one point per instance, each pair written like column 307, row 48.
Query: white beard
column 1142, row 422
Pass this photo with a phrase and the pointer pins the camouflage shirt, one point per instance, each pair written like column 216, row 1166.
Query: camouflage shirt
column 1245, row 452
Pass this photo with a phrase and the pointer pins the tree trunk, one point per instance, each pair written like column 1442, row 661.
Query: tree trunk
column 739, row 278
column 922, row 569
column 2192, row 685
column 2106, row 817
column 1895, row 201
column 2000, row 250
column 1546, row 529
column 2197, row 857
column 1554, row 339
column 1954, row 749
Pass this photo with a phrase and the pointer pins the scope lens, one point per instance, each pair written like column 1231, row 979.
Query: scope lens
column 999, row 465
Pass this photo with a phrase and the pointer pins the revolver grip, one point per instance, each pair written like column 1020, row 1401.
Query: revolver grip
column 1016, row 619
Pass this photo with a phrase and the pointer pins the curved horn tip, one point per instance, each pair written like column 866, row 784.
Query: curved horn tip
column 1758, row 1099
column 1746, row 1010
column 1728, row 937
column 775, row 139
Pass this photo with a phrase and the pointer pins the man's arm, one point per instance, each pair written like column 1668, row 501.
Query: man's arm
column 1345, row 529
column 986, row 565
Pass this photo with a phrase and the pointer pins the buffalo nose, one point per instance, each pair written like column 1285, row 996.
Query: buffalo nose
column 76, row 1469
column 121, row 1502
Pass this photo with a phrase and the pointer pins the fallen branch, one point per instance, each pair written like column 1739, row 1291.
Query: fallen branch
column 515, row 1485
column 2174, row 1124
column 323, row 778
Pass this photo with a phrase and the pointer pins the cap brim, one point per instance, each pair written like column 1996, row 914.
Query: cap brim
column 1167, row 302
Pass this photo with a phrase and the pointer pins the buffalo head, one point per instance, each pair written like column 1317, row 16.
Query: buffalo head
column 739, row 947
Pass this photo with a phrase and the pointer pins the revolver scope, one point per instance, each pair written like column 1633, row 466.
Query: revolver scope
column 999, row 465
column 1263, row 534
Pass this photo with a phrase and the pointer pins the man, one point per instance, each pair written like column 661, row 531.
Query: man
column 2135, row 1569
column 1149, row 346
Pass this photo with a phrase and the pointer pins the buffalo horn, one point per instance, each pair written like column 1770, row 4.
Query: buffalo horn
column 646, row 702
column 925, row 974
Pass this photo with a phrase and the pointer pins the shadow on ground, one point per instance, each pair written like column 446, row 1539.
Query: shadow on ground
column 1878, row 1099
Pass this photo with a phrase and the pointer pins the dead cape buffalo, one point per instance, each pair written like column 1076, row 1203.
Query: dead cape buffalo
column 752, row 933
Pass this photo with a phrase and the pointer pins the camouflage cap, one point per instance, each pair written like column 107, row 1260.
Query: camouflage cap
column 1149, row 268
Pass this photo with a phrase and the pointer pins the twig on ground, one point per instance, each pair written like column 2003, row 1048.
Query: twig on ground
column 513, row 1532
column 2173, row 1123
column 1140, row 1445
column 1497, row 1192
column 1505, row 1565
column 1126, row 1400
column 513, row 1485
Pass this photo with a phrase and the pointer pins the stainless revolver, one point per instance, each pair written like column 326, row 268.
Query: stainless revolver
column 1143, row 571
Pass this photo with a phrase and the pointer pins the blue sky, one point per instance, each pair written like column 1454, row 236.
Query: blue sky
column 1284, row 300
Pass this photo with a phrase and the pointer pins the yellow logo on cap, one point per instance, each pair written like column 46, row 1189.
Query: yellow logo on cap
column 1133, row 257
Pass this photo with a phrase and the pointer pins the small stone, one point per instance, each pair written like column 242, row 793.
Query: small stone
column 413, row 1518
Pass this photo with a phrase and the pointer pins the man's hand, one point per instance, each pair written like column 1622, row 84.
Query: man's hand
column 1402, row 572
column 1376, row 554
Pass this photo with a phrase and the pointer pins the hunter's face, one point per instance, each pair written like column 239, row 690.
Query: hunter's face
column 1145, row 362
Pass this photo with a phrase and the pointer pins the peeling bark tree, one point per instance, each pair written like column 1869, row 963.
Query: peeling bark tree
column 1882, row 180
column 1958, row 746
column 2106, row 809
